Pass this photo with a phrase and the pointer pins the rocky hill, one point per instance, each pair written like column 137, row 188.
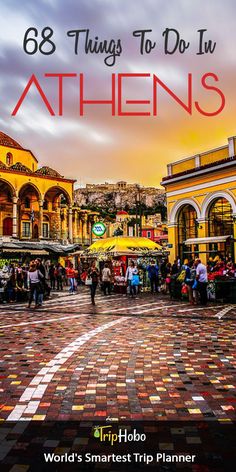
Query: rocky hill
column 113, row 197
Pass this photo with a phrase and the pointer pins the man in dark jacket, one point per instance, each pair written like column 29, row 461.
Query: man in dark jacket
column 153, row 271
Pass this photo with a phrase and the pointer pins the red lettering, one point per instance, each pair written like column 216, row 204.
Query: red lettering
column 211, row 87
column 33, row 80
column 131, row 102
column 111, row 102
column 60, row 89
column 187, row 107
column 117, row 95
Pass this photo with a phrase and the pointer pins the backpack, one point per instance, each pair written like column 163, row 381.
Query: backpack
column 181, row 277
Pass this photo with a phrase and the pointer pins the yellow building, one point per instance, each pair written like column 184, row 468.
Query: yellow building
column 201, row 204
column 82, row 221
column 36, row 204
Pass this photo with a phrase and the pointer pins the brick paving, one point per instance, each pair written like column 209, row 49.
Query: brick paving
column 147, row 358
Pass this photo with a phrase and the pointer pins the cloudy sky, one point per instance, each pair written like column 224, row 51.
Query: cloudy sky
column 98, row 147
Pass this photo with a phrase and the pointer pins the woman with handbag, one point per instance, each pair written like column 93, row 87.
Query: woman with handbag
column 33, row 278
column 106, row 279
column 93, row 275
column 190, row 280
column 135, row 282
column 132, row 278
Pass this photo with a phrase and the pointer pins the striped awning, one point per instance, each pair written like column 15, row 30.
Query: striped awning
column 34, row 252
column 209, row 240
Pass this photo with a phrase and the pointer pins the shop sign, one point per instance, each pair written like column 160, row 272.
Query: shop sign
column 99, row 228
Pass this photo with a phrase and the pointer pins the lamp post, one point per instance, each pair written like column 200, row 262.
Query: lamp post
column 138, row 212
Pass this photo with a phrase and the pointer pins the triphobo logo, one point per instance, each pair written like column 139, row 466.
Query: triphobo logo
column 105, row 433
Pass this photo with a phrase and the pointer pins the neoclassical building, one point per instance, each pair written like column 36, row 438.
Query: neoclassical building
column 201, row 204
column 36, row 204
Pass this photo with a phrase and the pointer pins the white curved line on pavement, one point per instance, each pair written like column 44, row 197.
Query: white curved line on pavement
column 178, row 311
column 49, row 320
column 131, row 307
column 30, row 399
column 223, row 312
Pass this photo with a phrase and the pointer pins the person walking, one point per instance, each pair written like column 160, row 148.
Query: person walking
column 93, row 273
column 11, row 288
column 58, row 276
column 51, row 274
column 188, row 281
column 33, row 277
column 130, row 273
column 202, row 279
column 70, row 272
column 41, row 268
column 106, row 279
column 168, row 278
column 153, row 271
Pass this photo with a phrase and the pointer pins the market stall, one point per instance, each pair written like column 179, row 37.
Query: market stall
column 119, row 250
column 221, row 287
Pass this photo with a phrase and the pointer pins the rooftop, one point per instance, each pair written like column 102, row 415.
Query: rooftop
column 6, row 140
column 202, row 163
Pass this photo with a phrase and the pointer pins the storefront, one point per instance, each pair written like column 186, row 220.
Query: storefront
column 119, row 251
column 201, row 205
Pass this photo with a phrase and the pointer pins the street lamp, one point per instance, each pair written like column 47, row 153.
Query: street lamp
column 138, row 212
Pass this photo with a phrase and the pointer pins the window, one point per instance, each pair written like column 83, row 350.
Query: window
column 220, row 218
column 25, row 229
column 9, row 159
column 187, row 229
column 27, row 202
column 187, row 226
column 45, row 230
column 149, row 234
column 220, row 223
column 7, row 226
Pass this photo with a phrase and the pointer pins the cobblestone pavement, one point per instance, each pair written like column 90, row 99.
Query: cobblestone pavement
column 141, row 359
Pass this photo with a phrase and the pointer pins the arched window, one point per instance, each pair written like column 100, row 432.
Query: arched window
column 220, row 218
column 9, row 159
column 220, row 223
column 187, row 229
column 45, row 227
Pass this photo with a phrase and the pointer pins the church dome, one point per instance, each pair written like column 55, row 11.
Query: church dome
column 45, row 170
column 122, row 212
column 7, row 141
column 19, row 167
column 2, row 165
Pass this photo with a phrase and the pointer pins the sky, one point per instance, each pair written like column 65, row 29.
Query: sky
column 99, row 147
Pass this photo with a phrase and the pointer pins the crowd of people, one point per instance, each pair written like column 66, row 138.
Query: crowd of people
column 34, row 282
column 185, row 281
column 190, row 279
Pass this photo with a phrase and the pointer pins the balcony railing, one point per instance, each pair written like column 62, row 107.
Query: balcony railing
column 195, row 169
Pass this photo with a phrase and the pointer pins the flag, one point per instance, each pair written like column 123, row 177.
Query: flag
column 32, row 215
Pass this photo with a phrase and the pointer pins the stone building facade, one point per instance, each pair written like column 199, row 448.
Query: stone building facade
column 37, row 204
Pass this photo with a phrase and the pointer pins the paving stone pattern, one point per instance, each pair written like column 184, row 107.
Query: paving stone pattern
column 143, row 359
